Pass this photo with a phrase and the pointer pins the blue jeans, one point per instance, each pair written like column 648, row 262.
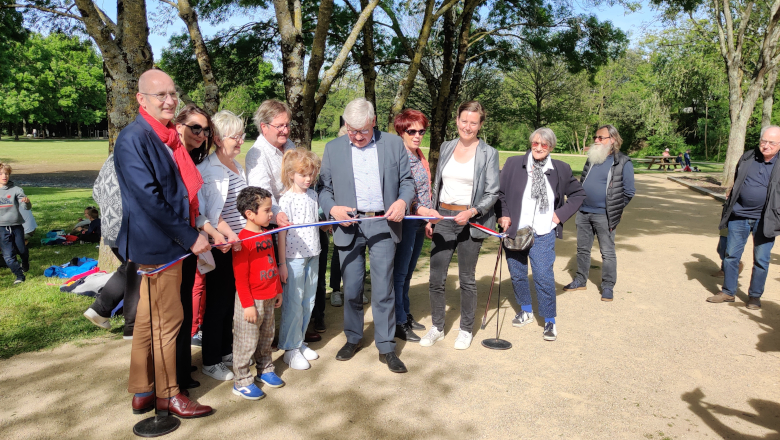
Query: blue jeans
column 542, row 255
column 406, row 254
column 11, row 243
column 298, row 300
column 739, row 231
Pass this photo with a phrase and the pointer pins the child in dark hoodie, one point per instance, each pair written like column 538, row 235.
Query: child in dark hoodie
column 11, row 229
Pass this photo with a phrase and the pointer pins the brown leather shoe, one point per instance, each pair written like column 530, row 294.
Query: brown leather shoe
column 181, row 406
column 754, row 303
column 143, row 404
column 312, row 337
column 718, row 274
column 721, row 298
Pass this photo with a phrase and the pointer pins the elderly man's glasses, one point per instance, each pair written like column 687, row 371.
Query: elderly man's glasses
column 280, row 128
column 197, row 130
column 238, row 137
column 354, row 132
column 601, row 138
column 770, row 143
column 537, row 144
column 162, row 97
column 415, row 132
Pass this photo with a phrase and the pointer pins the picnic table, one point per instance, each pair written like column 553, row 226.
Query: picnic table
column 659, row 160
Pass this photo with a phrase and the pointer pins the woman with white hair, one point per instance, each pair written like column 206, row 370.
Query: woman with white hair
column 223, row 179
column 536, row 196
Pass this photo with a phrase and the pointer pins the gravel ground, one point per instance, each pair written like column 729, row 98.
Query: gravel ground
column 658, row 363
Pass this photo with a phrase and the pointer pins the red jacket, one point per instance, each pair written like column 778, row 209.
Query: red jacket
column 255, row 269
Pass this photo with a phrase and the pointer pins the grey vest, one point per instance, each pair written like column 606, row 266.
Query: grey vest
column 616, row 201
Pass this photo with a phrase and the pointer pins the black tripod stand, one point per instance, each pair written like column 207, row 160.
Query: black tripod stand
column 496, row 343
column 162, row 423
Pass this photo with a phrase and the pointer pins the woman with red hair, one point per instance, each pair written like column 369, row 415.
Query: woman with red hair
column 411, row 126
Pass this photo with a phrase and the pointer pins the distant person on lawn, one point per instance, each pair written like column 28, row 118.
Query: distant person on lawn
column 608, row 180
column 11, row 220
column 157, row 179
column 752, row 207
column 92, row 233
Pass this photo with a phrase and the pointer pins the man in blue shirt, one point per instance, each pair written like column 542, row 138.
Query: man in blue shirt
column 608, row 180
column 752, row 206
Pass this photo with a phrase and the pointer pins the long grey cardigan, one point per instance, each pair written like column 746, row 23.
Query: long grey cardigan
column 485, row 191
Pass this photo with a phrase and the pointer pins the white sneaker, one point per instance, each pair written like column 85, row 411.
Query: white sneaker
column 96, row 319
column 365, row 299
column 336, row 299
column 308, row 353
column 431, row 337
column 463, row 341
column 218, row 371
column 228, row 360
column 522, row 319
column 295, row 359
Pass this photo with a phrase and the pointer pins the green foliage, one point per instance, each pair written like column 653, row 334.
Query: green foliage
column 54, row 78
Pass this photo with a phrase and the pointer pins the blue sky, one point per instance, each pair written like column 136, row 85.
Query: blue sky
column 633, row 23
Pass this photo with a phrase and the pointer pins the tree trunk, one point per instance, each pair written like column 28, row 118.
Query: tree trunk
column 211, row 89
column 367, row 58
column 769, row 96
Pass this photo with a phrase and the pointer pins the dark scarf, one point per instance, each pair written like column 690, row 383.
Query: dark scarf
column 538, row 187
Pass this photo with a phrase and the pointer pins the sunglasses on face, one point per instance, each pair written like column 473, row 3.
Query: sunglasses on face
column 601, row 138
column 197, row 130
column 415, row 132
column 536, row 144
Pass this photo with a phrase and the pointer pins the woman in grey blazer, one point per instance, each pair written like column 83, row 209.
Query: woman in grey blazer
column 466, row 187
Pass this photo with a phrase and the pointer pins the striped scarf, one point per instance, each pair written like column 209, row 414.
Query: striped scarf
column 538, row 188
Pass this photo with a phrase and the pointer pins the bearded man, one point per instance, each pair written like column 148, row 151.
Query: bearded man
column 608, row 180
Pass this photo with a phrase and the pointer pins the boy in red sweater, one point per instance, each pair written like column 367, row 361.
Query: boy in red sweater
column 258, row 292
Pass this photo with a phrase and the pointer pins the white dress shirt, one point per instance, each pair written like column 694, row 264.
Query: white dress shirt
column 368, row 184
column 264, row 168
column 542, row 221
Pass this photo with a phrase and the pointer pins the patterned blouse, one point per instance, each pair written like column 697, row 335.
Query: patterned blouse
column 422, row 196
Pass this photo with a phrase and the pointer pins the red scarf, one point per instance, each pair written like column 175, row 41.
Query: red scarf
column 189, row 173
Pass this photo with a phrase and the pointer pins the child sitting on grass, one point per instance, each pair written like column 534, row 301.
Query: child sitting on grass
column 258, row 292
column 299, row 251
column 92, row 233
column 11, row 229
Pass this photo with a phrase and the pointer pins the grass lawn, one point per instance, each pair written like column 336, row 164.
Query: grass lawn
column 35, row 314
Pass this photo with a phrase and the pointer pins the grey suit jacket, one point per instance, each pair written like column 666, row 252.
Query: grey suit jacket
column 485, row 192
column 338, row 181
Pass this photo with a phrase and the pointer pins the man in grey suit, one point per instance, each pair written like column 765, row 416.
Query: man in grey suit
column 364, row 174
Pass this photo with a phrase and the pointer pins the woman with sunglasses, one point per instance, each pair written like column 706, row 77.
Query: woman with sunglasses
column 411, row 126
column 223, row 179
column 540, row 193
column 466, row 187
column 194, row 127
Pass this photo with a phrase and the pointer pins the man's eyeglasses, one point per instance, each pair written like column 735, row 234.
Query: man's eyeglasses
column 238, row 137
column 770, row 143
column 536, row 144
column 162, row 97
column 601, row 138
column 415, row 132
column 280, row 128
column 197, row 130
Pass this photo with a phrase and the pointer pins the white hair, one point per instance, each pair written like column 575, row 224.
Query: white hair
column 767, row 128
column 547, row 136
column 358, row 113
column 227, row 124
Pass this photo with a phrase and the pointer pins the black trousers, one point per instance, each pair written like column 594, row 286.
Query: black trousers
column 124, row 284
column 217, row 324
column 183, row 339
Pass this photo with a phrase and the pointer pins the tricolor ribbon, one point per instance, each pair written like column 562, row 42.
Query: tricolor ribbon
column 315, row 224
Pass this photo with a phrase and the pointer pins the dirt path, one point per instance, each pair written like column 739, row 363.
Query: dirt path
column 658, row 362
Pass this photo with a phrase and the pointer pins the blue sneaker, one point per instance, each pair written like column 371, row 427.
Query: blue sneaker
column 606, row 294
column 249, row 392
column 575, row 285
column 270, row 379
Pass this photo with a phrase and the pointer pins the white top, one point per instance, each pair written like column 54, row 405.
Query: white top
column 301, row 208
column 230, row 213
column 264, row 168
column 368, row 184
column 457, row 182
column 542, row 221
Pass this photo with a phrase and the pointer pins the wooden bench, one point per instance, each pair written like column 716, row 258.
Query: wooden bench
column 659, row 160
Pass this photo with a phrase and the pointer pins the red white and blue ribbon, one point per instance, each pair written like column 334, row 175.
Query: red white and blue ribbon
column 315, row 224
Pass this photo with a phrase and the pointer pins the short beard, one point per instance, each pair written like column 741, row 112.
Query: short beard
column 598, row 153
